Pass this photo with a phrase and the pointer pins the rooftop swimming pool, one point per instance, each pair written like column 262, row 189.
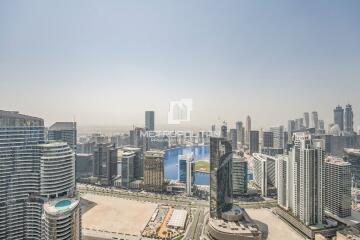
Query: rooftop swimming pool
column 63, row 204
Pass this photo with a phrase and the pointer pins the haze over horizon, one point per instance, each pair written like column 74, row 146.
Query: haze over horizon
column 105, row 63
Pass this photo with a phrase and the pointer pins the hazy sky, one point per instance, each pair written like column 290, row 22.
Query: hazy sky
column 106, row 62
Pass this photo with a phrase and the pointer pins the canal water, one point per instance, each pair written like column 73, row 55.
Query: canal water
column 171, row 162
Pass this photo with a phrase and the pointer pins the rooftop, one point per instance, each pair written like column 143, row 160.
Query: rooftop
column 337, row 161
column 154, row 153
column 61, row 205
column 63, row 126
column 14, row 118
column 178, row 218
column 352, row 151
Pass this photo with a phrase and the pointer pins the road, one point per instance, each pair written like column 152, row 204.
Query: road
column 146, row 197
column 195, row 228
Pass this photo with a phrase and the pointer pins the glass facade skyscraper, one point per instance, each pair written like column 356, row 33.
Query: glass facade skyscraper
column 221, row 194
column 150, row 120
column 64, row 131
column 20, row 203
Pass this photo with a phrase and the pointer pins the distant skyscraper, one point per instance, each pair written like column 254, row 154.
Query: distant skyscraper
column 240, row 132
column 268, row 140
column 291, row 129
column 254, row 142
column 213, row 128
column 314, row 120
column 220, row 176
column 265, row 173
column 233, row 138
column 349, row 119
column 321, row 125
column 64, row 131
column 339, row 117
column 105, row 163
column 307, row 119
column 138, row 160
column 150, row 120
column 278, row 134
column 282, row 180
column 337, row 180
column 353, row 157
column 187, row 171
column 306, row 168
column 299, row 124
column 138, row 138
column 239, row 175
column 224, row 130
column 127, row 167
column 154, row 170
column 247, row 130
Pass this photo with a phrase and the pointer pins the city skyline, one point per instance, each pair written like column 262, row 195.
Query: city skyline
column 182, row 120
column 90, row 59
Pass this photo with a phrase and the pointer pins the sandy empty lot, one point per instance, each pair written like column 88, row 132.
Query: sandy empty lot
column 117, row 215
column 277, row 229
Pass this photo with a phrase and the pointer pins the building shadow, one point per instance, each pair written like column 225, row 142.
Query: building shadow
column 86, row 205
column 263, row 228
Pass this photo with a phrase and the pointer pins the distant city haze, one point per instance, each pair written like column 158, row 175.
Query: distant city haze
column 104, row 63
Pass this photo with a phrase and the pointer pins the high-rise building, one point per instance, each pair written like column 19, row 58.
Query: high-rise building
column 213, row 129
column 314, row 120
column 239, row 175
column 306, row 160
column 321, row 125
column 307, row 119
column 224, row 130
column 221, row 195
column 150, row 120
column 268, row 140
column 278, row 134
column 286, row 140
column 264, row 167
column 105, row 163
column 30, row 180
column 187, row 171
column 61, row 211
column 225, row 217
column 61, row 218
column 84, row 165
column 20, row 204
column 154, row 170
column 353, row 157
column 337, row 187
column 282, row 180
column 233, row 138
column 138, row 160
column 64, row 131
column 299, row 124
column 349, row 119
column 127, row 168
column 254, row 142
column 247, row 130
column 240, row 132
column 291, row 130
column 339, row 117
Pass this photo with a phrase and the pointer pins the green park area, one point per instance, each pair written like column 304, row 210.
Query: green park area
column 203, row 166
